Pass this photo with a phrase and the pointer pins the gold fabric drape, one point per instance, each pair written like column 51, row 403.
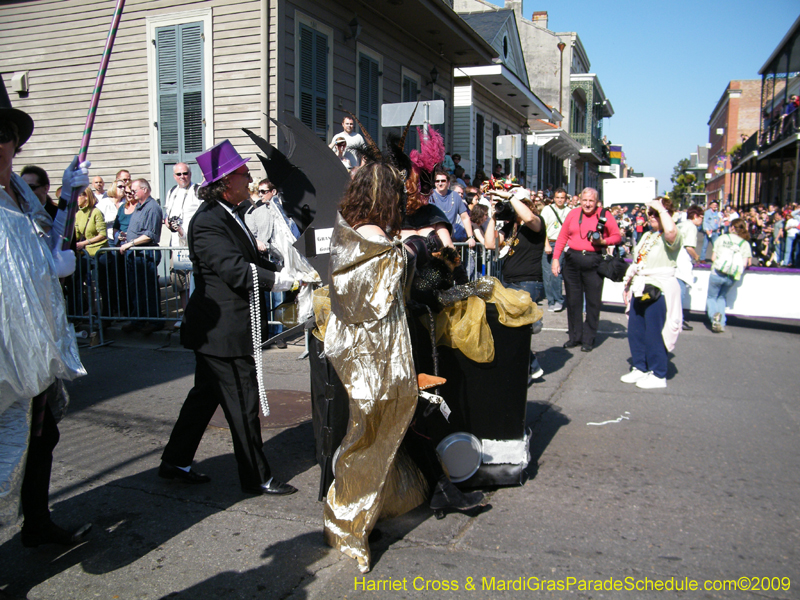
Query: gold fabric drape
column 463, row 325
column 368, row 343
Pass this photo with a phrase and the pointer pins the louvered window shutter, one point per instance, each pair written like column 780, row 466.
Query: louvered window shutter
column 368, row 87
column 313, row 67
column 441, row 128
column 179, row 73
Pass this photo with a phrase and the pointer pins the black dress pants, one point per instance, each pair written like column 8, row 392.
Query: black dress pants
column 582, row 279
column 231, row 383
column 36, row 480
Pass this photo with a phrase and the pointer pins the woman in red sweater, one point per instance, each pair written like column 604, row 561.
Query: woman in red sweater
column 585, row 239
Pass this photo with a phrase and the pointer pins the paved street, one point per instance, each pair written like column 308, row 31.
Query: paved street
column 697, row 481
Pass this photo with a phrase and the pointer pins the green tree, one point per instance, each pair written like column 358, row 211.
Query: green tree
column 683, row 184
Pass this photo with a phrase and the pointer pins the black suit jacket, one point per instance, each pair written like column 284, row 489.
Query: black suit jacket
column 217, row 318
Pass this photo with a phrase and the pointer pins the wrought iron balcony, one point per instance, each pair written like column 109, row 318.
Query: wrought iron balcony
column 598, row 148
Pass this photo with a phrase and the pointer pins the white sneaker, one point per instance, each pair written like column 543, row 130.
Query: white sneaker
column 716, row 323
column 651, row 382
column 633, row 376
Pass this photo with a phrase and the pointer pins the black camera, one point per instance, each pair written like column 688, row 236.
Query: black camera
column 597, row 234
column 504, row 211
column 174, row 223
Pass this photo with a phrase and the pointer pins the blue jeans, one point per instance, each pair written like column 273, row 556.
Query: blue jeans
column 534, row 288
column 787, row 254
column 714, row 237
column 718, row 287
column 143, row 283
column 645, row 322
column 552, row 283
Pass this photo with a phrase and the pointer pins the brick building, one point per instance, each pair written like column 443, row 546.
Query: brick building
column 734, row 119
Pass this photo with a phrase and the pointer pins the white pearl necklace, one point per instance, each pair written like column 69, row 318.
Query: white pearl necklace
column 255, row 321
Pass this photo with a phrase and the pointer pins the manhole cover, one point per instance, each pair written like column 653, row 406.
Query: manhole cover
column 286, row 407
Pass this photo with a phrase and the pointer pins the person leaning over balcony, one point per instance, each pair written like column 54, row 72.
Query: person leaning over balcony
column 586, row 244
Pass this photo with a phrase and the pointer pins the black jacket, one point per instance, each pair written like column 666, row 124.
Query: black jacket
column 217, row 319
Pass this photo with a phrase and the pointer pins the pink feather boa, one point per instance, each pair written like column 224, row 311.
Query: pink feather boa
column 432, row 150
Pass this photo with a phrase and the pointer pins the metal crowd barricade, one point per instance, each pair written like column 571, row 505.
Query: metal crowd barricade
column 478, row 261
column 141, row 285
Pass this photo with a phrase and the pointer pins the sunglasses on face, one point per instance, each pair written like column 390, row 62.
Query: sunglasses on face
column 181, row 174
column 262, row 192
column 441, row 181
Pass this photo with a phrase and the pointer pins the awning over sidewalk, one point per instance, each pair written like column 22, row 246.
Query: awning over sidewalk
column 557, row 142
column 500, row 81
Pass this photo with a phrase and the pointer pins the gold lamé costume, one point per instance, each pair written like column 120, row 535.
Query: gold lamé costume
column 368, row 343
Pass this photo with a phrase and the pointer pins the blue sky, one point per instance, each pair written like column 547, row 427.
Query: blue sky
column 664, row 65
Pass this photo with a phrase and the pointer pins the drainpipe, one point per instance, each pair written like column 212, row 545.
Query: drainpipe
column 561, row 46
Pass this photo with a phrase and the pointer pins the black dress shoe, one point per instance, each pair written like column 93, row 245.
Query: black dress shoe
column 273, row 488
column 687, row 327
column 50, row 533
column 586, row 348
column 571, row 344
column 281, row 344
column 168, row 471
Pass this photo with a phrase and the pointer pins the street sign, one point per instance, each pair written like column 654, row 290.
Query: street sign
column 509, row 146
column 397, row 115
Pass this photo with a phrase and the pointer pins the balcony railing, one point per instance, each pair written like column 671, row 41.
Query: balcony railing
column 587, row 140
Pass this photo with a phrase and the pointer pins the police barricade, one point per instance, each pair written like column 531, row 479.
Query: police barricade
column 147, row 286
column 478, row 261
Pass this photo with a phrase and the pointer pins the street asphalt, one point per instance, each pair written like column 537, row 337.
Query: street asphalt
column 696, row 484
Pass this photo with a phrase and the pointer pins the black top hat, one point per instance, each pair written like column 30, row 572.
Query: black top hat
column 20, row 118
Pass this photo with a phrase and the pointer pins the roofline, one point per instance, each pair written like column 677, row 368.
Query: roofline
column 780, row 45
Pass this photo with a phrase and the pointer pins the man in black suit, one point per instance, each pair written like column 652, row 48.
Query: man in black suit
column 217, row 326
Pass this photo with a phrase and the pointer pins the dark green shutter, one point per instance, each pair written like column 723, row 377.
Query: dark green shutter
column 313, row 67
column 179, row 75
column 479, row 149
column 368, row 88
column 442, row 127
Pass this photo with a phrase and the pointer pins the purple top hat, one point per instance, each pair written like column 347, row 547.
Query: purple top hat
column 218, row 161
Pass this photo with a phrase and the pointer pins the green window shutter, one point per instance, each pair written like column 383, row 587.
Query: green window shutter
column 167, row 67
column 368, row 88
column 313, row 80
column 495, row 135
column 479, row 147
column 192, row 79
column 179, row 77
column 442, row 127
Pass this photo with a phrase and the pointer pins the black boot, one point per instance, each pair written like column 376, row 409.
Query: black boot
column 448, row 496
column 686, row 326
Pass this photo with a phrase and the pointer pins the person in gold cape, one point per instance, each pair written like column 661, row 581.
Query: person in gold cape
column 368, row 342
